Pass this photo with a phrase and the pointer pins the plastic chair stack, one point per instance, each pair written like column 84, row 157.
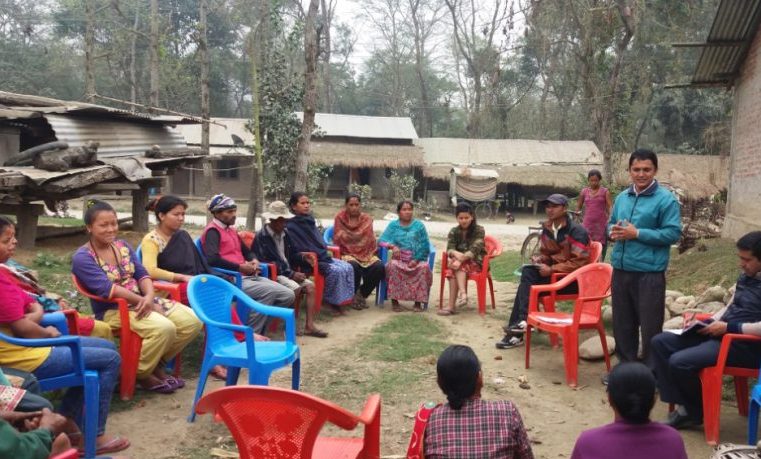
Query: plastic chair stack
column 594, row 286
column 493, row 249
column 88, row 379
column 274, row 422
column 210, row 297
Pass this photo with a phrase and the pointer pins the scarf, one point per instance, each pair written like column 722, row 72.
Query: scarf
column 304, row 237
column 181, row 256
column 356, row 240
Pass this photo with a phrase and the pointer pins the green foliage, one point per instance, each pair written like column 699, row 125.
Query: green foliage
column 365, row 193
column 711, row 262
column 316, row 176
column 402, row 186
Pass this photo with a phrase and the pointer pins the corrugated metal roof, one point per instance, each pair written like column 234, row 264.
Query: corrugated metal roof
column 220, row 134
column 734, row 27
column 366, row 127
column 116, row 137
column 508, row 152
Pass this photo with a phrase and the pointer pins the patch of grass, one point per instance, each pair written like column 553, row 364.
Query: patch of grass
column 403, row 338
column 61, row 221
column 711, row 262
column 503, row 266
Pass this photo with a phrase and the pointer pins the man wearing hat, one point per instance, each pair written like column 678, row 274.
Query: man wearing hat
column 271, row 245
column 564, row 248
column 225, row 249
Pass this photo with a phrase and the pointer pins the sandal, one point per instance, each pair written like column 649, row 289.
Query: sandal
column 396, row 307
column 446, row 312
column 461, row 301
column 162, row 388
column 336, row 310
column 219, row 373
column 316, row 332
column 176, row 382
column 417, row 308
column 114, row 445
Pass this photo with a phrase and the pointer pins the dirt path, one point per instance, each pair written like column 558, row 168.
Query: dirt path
column 554, row 413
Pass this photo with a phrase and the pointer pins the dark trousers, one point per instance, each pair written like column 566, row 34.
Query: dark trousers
column 530, row 276
column 677, row 361
column 639, row 300
column 367, row 279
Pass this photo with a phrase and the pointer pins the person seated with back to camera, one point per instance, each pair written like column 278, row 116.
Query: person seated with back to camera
column 631, row 394
column 468, row 427
column 564, row 247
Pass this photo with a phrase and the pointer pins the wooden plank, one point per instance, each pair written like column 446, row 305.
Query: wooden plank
column 12, row 180
column 82, row 180
column 106, row 187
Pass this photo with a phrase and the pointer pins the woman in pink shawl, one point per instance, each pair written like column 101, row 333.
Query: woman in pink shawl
column 353, row 234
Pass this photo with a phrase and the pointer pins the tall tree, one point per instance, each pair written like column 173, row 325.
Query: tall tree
column 154, row 47
column 310, row 97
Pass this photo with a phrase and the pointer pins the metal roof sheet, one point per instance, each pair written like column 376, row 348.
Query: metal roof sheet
column 220, row 132
column 367, row 127
column 734, row 27
column 116, row 137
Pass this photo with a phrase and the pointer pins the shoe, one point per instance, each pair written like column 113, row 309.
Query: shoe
column 604, row 379
column 509, row 342
column 519, row 328
column 682, row 421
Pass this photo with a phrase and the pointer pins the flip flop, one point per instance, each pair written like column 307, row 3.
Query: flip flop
column 114, row 445
column 162, row 388
column 218, row 375
column 418, row 309
column 177, row 383
column 445, row 312
column 317, row 333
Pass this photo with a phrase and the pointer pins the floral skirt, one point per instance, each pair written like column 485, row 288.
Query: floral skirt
column 407, row 283
column 468, row 267
column 339, row 282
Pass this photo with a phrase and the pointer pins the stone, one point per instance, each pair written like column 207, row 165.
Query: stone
column 669, row 300
column 730, row 293
column 591, row 349
column 677, row 309
column 674, row 323
column 673, row 294
column 715, row 293
column 607, row 314
column 684, row 299
column 712, row 307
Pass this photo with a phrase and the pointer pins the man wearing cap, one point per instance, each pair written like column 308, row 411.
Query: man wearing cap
column 643, row 224
column 225, row 249
column 272, row 245
column 564, row 248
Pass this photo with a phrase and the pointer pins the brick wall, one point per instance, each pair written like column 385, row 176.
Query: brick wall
column 744, row 208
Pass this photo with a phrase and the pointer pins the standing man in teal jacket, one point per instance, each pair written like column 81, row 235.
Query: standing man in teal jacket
column 643, row 225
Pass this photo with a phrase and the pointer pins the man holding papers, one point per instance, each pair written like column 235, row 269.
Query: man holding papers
column 678, row 358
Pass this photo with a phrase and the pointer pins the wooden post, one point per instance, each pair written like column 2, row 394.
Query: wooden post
column 27, row 216
column 139, row 214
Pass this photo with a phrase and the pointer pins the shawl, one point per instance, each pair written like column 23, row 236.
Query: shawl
column 412, row 237
column 356, row 241
column 304, row 237
column 181, row 256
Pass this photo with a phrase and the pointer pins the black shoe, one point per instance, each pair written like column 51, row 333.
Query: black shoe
column 682, row 421
column 509, row 342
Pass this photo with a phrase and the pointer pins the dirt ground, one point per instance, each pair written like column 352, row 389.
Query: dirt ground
column 554, row 413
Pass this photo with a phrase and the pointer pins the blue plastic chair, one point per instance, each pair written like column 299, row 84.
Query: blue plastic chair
column 383, row 286
column 755, row 403
column 327, row 236
column 237, row 276
column 210, row 297
column 88, row 379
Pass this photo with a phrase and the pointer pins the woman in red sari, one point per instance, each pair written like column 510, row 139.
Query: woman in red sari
column 353, row 234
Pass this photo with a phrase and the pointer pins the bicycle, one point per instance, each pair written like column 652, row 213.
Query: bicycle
column 532, row 243
column 491, row 209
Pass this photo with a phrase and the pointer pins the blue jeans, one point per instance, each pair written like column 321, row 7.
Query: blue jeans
column 99, row 355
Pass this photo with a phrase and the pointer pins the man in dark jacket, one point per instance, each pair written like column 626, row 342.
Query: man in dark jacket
column 271, row 245
column 564, row 248
column 678, row 358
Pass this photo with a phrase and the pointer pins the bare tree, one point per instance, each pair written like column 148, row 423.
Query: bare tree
column 154, row 61
column 423, row 25
column 328, row 11
column 203, row 55
column 310, row 97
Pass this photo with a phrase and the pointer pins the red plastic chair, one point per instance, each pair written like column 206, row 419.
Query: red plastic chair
column 493, row 249
column 130, row 343
column 415, row 447
column 594, row 287
column 274, row 422
column 71, row 453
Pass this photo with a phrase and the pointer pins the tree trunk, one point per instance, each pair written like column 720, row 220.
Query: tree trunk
column 89, row 52
column 426, row 111
column 256, row 195
column 203, row 54
column 133, row 61
column 328, row 8
column 154, row 46
column 310, row 97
